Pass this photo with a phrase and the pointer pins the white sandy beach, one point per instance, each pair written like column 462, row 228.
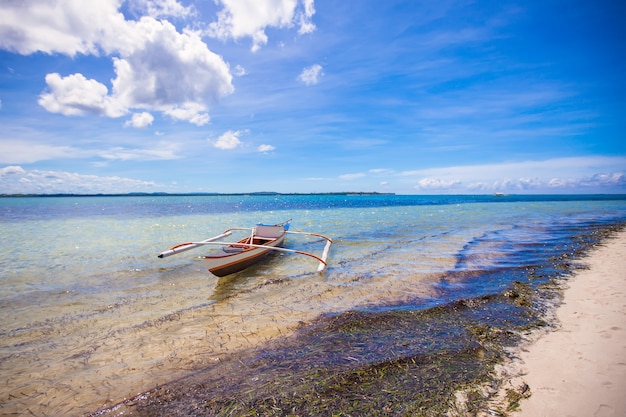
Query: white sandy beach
column 580, row 369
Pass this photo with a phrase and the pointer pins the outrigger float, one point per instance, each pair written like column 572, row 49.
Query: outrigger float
column 236, row 256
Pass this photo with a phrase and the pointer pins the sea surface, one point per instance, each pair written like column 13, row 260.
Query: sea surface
column 90, row 316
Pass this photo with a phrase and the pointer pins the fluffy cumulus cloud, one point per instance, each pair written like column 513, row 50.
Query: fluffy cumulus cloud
column 140, row 120
column 75, row 95
column 250, row 18
column 600, row 180
column 16, row 180
column 158, row 68
column 265, row 148
column 171, row 72
column 436, row 184
column 311, row 75
column 67, row 27
column 228, row 140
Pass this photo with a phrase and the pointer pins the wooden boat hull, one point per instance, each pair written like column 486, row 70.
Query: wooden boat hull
column 236, row 256
column 225, row 263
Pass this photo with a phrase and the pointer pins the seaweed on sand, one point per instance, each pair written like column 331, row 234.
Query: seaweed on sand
column 355, row 363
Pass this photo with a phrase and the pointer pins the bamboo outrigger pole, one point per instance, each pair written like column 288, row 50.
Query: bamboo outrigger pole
column 191, row 245
column 329, row 242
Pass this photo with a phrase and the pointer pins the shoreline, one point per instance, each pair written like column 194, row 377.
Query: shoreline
column 577, row 368
column 458, row 359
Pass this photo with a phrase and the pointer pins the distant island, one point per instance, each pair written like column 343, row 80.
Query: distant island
column 159, row 194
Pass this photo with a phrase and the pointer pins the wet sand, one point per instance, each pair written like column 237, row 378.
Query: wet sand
column 580, row 368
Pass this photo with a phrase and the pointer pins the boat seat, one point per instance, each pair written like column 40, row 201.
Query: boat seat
column 232, row 249
column 268, row 232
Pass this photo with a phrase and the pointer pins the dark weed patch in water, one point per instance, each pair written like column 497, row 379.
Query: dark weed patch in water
column 372, row 363
column 355, row 363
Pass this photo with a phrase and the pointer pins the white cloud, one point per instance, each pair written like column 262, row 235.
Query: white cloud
column 380, row 171
column 11, row 170
column 615, row 179
column 16, row 180
column 542, row 168
column 27, row 152
column 250, row 18
column 140, row 120
column 228, row 140
column 306, row 25
column 351, row 177
column 239, row 71
column 311, row 75
column 75, row 95
column 190, row 112
column 161, row 152
column 64, row 26
column 162, row 8
column 265, row 148
column 171, row 72
column 157, row 68
column 436, row 184
column 581, row 174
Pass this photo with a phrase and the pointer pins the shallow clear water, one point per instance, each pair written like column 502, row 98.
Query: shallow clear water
column 89, row 315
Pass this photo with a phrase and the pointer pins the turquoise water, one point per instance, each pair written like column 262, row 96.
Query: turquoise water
column 89, row 315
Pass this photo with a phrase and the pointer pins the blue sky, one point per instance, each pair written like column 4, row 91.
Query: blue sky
column 411, row 97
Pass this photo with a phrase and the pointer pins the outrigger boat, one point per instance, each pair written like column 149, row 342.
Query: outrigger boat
column 235, row 256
